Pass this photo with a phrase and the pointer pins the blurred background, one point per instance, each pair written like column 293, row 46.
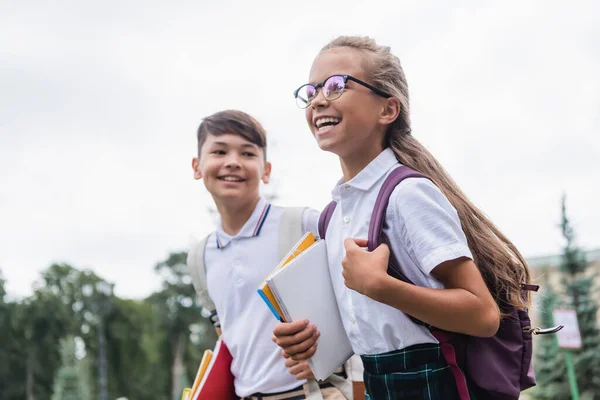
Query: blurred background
column 99, row 103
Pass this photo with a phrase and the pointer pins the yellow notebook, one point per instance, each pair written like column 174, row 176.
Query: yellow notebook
column 186, row 394
column 265, row 292
column 206, row 357
column 202, row 369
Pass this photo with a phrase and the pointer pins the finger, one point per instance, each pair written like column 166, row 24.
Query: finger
column 299, row 351
column 290, row 340
column 298, row 368
column 306, row 354
column 284, row 354
column 289, row 328
column 349, row 244
column 361, row 242
column 305, row 375
column 383, row 250
column 291, row 363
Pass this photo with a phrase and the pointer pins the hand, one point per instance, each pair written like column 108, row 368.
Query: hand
column 299, row 369
column 298, row 339
column 362, row 270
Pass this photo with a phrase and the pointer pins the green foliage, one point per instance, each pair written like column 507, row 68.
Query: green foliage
column 579, row 290
column 153, row 346
column 67, row 383
column 550, row 370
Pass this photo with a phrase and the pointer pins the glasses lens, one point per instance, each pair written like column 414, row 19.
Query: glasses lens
column 333, row 87
column 305, row 95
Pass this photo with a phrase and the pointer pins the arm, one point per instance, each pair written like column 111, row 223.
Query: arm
column 358, row 390
column 465, row 305
column 425, row 226
column 355, row 371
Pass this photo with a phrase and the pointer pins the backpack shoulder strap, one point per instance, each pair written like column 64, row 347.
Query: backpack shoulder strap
column 379, row 210
column 290, row 229
column 197, row 269
column 325, row 217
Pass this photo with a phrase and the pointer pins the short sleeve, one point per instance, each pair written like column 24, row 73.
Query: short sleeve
column 424, row 221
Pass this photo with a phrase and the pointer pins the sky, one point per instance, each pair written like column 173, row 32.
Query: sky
column 99, row 104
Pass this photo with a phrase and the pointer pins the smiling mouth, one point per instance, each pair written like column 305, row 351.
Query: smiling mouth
column 229, row 178
column 327, row 122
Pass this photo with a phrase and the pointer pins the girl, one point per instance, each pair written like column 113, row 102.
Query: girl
column 357, row 107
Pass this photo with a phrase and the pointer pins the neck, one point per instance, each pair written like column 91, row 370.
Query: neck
column 354, row 163
column 235, row 214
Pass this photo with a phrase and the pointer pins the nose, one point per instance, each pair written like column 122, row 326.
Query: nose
column 232, row 161
column 319, row 101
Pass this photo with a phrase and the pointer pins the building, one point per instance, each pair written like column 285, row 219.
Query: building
column 545, row 272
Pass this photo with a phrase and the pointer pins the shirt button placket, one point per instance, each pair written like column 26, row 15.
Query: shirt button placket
column 237, row 266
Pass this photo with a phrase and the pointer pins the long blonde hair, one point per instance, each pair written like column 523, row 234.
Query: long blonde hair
column 501, row 264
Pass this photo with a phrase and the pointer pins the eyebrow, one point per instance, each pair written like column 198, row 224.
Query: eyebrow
column 251, row 145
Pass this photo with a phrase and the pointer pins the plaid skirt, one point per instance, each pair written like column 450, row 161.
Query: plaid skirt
column 417, row 372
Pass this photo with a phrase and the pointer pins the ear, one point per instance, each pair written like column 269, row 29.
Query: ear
column 196, row 168
column 390, row 111
column 266, row 173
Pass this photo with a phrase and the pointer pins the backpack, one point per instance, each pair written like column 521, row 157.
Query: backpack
column 498, row 367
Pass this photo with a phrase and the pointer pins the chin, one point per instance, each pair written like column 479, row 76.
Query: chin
column 329, row 145
column 231, row 195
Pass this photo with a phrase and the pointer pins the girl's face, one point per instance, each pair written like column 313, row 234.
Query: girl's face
column 351, row 125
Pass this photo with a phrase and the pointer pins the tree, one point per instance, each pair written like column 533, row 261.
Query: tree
column 579, row 289
column 38, row 323
column 549, row 364
column 179, row 311
column 12, row 370
column 67, row 385
column 89, row 300
column 129, row 329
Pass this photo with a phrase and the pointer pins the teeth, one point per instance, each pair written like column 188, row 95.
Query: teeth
column 231, row 179
column 326, row 120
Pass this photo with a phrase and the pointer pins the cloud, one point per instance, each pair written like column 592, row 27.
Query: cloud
column 99, row 104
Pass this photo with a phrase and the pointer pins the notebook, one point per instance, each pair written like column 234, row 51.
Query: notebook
column 302, row 289
column 265, row 291
column 213, row 379
column 186, row 394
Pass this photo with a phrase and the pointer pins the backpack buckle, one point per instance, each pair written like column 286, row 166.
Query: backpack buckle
column 536, row 330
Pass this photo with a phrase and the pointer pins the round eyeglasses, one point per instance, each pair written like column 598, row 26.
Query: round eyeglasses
column 333, row 87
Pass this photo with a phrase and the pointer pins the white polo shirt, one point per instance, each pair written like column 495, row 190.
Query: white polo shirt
column 235, row 266
column 424, row 230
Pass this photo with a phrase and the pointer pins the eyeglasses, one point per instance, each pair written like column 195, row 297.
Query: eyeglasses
column 333, row 87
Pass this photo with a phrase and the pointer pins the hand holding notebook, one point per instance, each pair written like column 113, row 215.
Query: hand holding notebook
column 300, row 288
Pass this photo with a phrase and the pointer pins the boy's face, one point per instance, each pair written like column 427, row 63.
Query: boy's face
column 231, row 167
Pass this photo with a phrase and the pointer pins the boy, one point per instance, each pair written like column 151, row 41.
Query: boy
column 241, row 253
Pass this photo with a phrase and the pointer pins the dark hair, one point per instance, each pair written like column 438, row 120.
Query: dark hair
column 233, row 122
